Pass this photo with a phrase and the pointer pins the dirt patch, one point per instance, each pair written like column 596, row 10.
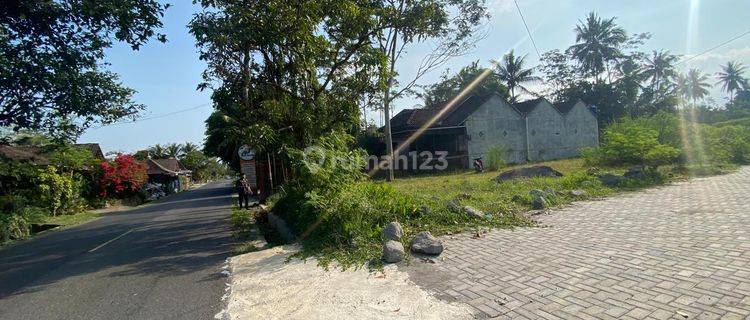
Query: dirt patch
column 265, row 287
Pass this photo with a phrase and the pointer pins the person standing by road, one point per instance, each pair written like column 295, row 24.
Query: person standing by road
column 244, row 191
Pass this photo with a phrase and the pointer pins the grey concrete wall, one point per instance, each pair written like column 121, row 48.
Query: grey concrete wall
column 581, row 129
column 496, row 123
column 546, row 133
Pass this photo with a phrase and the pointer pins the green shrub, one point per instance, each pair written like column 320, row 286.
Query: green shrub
column 631, row 142
column 727, row 144
column 17, row 224
column 495, row 158
column 60, row 192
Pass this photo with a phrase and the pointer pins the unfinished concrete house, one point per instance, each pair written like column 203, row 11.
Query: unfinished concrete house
column 533, row 130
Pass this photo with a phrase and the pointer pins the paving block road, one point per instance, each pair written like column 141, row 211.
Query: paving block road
column 675, row 252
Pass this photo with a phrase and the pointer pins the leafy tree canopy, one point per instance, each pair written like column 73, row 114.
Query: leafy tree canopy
column 51, row 61
column 451, row 85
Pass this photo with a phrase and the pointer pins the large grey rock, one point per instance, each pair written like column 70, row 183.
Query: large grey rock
column 426, row 243
column 393, row 231
column 529, row 172
column 393, row 251
column 473, row 212
column 611, row 180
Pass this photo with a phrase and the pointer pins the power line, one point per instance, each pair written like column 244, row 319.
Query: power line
column 155, row 117
column 527, row 29
column 716, row 47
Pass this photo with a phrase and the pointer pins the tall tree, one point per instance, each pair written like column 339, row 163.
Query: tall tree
column 451, row 85
column 598, row 42
column 189, row 147
column 287, row 72
column 51, row 58
column 731, row 78
column 157, row 151
column 695, row 85
column 512, row 72
column 416, row 22
column 173, row 150
column 659, row 67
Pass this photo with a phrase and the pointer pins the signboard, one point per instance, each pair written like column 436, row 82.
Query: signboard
column 246, row 153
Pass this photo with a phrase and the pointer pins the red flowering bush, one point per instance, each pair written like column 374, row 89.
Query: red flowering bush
column 122, row 176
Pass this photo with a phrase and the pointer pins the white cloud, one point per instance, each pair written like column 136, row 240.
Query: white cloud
column 732, row 54
column 500, row 6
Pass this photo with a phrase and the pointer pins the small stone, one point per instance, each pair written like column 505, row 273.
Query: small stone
column 577, row 193
column 393, row 231
column 539, row 203
column 517, row 198
column 473, row 211
column 393, row 251
column 426, row 243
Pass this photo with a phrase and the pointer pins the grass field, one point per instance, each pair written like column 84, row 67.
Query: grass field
column 490, row 196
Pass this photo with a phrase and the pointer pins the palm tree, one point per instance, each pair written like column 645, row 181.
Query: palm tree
column 189, row 147
column 511, row 71
column 598, row 41
column 695, row 85
column 173, row 150
column 157, row 151
column 659, row 67
column 731, row 79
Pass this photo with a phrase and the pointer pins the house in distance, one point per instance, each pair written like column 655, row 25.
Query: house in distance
column 533, row 130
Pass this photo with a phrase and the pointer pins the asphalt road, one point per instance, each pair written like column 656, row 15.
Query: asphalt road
column 162, row 261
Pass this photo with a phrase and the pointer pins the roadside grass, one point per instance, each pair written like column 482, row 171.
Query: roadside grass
column 512, row 196
column 346, row 228
column 70, row 220
column 252, row 230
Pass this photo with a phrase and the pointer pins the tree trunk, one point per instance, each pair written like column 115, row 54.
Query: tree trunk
column 387, row 107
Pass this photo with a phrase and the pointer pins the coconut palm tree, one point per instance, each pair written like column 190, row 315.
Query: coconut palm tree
column 173, row 150
column 731, row 78
column 695, row 85
column 189, row 147
column 512, row 73
column 157, row 151
column 659, row 67
column 598, row 42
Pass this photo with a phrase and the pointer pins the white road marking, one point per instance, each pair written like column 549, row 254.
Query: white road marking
column 110, row 241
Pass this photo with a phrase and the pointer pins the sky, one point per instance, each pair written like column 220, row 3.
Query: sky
column 165, row 75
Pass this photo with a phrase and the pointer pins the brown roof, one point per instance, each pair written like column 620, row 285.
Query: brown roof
column 527, row 106
column 412, row 119
column 33, row 154
column 165, row 166
column 95, row 149
column 39, row 155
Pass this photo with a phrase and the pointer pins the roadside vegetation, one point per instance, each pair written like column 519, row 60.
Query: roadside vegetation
column 655, row 121
column 339, row 214
column 54, row 183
